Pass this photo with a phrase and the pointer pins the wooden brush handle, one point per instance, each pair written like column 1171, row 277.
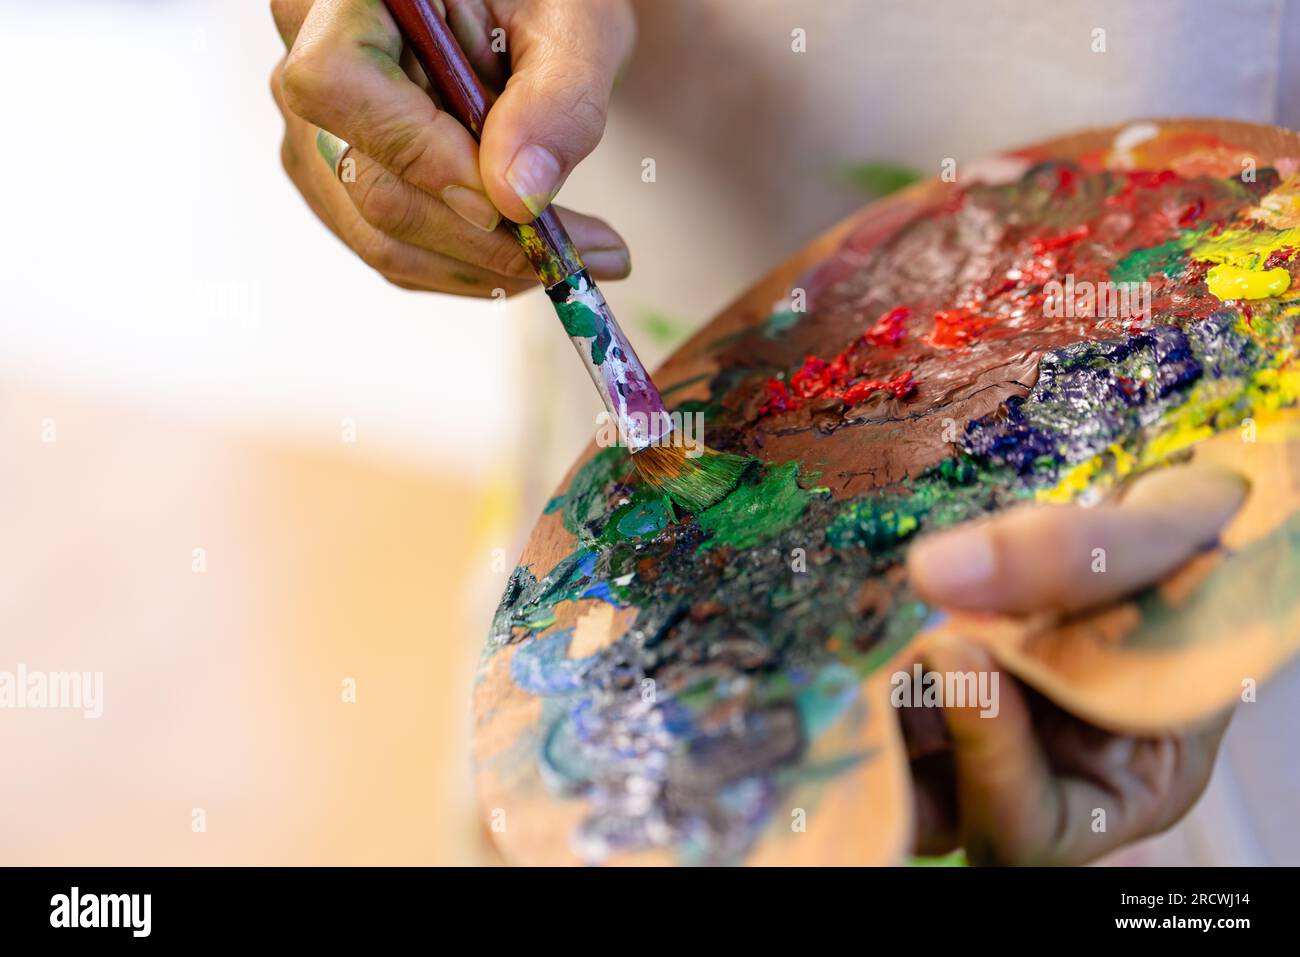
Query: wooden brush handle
column 545, row 241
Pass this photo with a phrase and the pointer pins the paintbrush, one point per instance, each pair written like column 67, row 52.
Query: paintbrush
column 695, row 478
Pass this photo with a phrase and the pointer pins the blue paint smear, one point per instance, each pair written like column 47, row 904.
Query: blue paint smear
column 542, row 666
column 601, row 590
column 937, row 617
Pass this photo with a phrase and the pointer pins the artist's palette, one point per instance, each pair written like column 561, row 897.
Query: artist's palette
column 661, row 687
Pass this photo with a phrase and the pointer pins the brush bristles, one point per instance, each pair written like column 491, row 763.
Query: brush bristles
column 693, row 483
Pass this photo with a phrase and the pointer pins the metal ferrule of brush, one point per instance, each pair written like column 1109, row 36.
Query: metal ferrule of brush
column 631, row 399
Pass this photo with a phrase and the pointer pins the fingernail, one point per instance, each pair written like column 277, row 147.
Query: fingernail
column 472, row 206
column 954, row 564
column 607, row 263
column 534, row 175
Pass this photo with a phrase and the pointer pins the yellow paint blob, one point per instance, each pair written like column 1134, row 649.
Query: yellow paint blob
column 1246, row 248
column 1234, row 282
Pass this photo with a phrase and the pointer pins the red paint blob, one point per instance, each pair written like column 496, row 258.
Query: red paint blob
column 1192, row 213
column 1091, row 221
column 1279, row 257
column 954, row 328
column 1043, row 244
column 842, row 377
column 889, row 331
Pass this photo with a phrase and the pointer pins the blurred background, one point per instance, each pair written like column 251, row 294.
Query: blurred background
column 191, row 361
column 274, row 499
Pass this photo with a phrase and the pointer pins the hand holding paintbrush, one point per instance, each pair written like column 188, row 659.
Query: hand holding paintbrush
column 630, row 397
column 406, row 186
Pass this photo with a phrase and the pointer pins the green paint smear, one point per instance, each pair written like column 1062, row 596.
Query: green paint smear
column 586, row 504
column 875, row 524
column 600, row 344
column 582, row 321
column 529, row 603
column 644, row 517
column 662, row 328
column 1166, row 259
column 880, row 178
column 579, row 319
column 780, row 321
column 952, row 491
column 756, row 512
column 955, row 858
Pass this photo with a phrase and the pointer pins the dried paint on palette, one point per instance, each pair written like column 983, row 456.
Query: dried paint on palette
column 945, row 374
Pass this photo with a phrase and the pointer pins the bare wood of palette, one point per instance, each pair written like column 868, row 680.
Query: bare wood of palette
column 1091, row 665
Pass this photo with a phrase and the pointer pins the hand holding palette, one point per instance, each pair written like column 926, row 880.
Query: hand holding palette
column 712, row 686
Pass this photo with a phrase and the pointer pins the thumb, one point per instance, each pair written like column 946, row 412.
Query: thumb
column 1042, row 557
column 564, row 56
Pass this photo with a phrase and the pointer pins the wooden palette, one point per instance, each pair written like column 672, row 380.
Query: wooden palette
column 656, row 688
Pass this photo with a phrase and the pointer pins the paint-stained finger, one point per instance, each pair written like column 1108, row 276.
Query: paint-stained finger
column 401, row 263
column 416, row 72
column 344, row 75
column 299, row 136
column 413, row 266
column 459, row 219
column 1067, row 558
column 395, row 207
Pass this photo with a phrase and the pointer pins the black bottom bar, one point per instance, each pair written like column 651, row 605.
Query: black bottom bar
column 596, row 910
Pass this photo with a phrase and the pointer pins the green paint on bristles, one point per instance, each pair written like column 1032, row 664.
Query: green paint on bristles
column 693, row 483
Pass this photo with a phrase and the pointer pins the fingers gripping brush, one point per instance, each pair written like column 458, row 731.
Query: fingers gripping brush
column 695, row 482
